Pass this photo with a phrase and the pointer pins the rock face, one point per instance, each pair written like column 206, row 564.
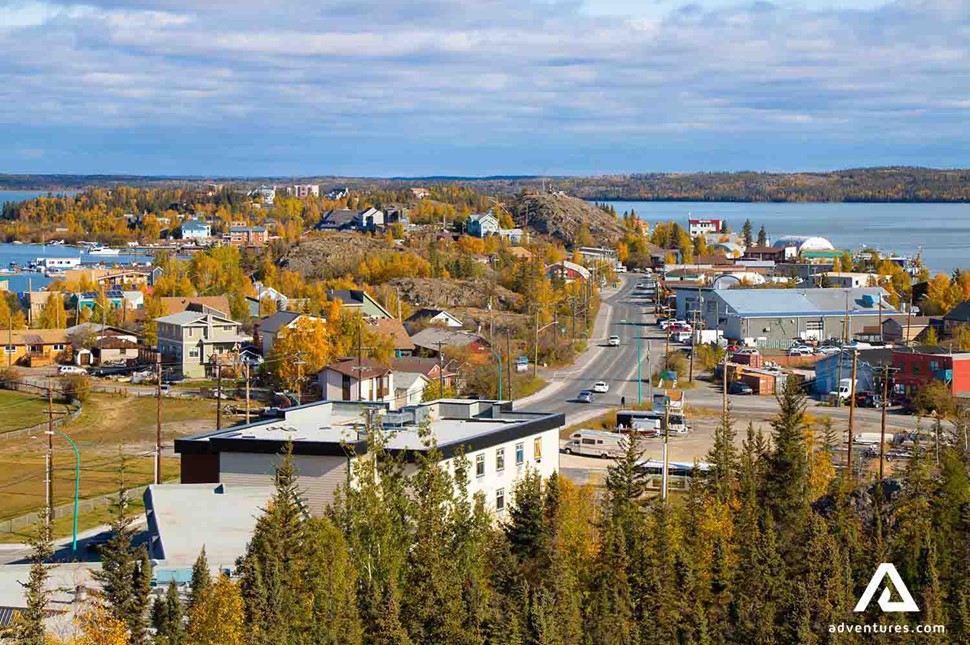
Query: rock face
column 328, row 256
column 444, row 293
column 565, row 218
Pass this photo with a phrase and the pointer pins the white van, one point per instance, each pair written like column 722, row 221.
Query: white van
column 596, row 443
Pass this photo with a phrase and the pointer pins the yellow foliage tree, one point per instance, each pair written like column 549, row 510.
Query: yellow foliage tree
column 217, row 617
column 95, row 626
column 299, row 351
column 53, row 315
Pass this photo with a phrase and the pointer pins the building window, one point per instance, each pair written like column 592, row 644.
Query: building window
column 519, row 454
column 500, row 500
column 480, row 465
column 537, row 448
column 10, row 349
column 193, row 353
column 58, row 348
column 500, row 459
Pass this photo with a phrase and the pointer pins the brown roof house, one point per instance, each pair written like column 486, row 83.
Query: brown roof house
column 352, row 379
column 403, row 345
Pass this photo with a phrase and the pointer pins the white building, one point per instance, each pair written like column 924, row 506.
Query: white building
column 803, row 243
column 500, row 444
column 350, row 379
column 850, row 279
column 697, row 226
column 302, row 191
column 266, row 193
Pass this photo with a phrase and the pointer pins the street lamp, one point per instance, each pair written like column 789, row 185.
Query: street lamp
column 499, row 359
column 77, row 482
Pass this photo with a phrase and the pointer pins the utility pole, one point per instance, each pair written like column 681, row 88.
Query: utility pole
column 665, row 477
column 360, row 352
column 882, row 426
column 246, row 368
column 639, row 376
column 50, row 453
column 909, row 318
column 158, row 418
column 535, row 362
column 855, row 357
column 724, row 381
column 508, row 360
column 218, row 395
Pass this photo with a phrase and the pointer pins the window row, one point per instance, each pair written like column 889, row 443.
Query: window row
column 500, row 457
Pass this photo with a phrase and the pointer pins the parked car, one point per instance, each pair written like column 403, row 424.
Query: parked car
column 738, row 387
column 71, row 369
column 596, row 443
column 828, row 350
column 614, row 341
column 800, row 350
column 600, row 387
column 585, row 396
column 868, row 400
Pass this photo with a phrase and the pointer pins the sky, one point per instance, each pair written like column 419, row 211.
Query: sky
column 481, row 87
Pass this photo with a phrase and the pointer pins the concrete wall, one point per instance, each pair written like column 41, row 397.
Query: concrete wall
column 319, row 475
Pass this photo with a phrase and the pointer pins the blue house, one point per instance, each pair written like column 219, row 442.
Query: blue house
column 482, row 224
column 868, row 366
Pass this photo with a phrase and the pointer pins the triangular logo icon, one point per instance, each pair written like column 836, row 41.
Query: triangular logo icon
column 905, row 604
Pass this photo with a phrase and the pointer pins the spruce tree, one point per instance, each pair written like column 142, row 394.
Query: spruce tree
column 201, row 579
column 168, row 618
column 723, row 458
column 609, row 612
column 625, row 481
column 28, row 628
column 746, row 232
column 786, row 485
column 762, row 237
column 525, row 528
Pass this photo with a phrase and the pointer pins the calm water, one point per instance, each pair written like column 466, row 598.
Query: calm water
column 23, row 253
column 940, row 231
column 24, row 195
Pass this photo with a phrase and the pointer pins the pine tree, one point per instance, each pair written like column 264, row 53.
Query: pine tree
column 125, row 574
column 609, row 613
column 746, row 232
column 201, row 579
column 167, row 617
column 762, row 237
column 525, row 528
column 786, row 484
column 625, row 481
column 723, row 458
column 28, row 628
column 333, row 582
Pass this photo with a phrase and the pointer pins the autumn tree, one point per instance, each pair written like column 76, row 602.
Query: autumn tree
column 300, row 350
column 217, row 616
column 28, row 627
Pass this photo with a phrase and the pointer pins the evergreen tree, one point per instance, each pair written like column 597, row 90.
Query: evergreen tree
column 125, row 574
column 609, row 612
column 625, row 481
column 746, row 232
column 723, row 458
column 526, row 528
column 28, row 628
column 201, row 579
column 271, row 572
column 762, row 237
column 786, row 484
column 167, row 617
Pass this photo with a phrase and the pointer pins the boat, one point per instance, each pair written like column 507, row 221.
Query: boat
column 56, row 243
column 54, row 273
column 102, row 250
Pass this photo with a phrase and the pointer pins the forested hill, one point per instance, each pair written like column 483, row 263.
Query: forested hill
column 897, row 184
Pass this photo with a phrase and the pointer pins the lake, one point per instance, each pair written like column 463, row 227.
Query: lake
column 940, row 231
column 24, row 195
column 23, row 253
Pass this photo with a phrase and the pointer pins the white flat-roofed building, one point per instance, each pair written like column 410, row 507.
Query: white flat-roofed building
column 500, row 444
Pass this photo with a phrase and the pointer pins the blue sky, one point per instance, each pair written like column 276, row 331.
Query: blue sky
column 477, row 87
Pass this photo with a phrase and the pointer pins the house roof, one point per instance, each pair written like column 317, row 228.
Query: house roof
column 792, row 302
column 175, row 304
column 35, row 336
column 912, row 321
column 354, row 298
column 429, row 338
column 116, row 343
column 428, row 312
column 478, row 217
column 569, row 266
column 960, row 313
column 519, row 252
column 272, row 324
column 764, row 249
column 189, row 317
column 97, row 328
column 395, row 329
column 404, row 380
column 336, row 218
column 415, row 364
column 349, row 367
column 195, row 224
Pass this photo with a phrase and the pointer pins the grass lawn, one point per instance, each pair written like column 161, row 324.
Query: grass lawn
column 109, row 426
column 64, row 526
column 20, row 410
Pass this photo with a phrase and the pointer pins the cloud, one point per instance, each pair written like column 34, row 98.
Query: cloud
column 390, row 77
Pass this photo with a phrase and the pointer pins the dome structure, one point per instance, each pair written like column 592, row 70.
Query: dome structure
column 804, row 243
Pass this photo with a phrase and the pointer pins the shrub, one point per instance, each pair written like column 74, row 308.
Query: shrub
column 76, row 387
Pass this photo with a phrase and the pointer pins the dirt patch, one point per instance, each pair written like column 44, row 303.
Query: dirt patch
column 444, row 293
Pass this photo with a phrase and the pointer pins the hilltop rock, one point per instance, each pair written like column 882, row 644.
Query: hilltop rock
column 327, row 256
column 563, row 217
column 444, row 293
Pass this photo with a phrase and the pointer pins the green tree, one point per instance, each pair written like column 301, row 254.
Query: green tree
column 168, row 617
column 28, row 627
column 723, row 458
column 746, row 232
column 786, row 485
column 609, row 612
column 762, row 237
column 201, row 579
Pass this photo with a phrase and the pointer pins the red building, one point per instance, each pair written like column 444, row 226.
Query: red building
column 915, row 368
column 247, row 236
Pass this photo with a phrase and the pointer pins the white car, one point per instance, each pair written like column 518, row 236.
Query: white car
column 600, row 387
column 800, row 350
column 71, row 369
column 613, row 341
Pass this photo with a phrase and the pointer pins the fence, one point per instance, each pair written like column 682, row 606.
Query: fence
column 18, row 524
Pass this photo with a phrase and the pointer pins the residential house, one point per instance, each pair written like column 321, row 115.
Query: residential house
column 431, row 341
column 764, row 253
column 428, row 316
column 357, row 379
column 773, row 317
column 501, row 445
column 956, row 317
column 205, row 304
column 337, row 219
column 247, row 235
column 95, row 344
column 432, row 368
column 265, row 193
column 847, row 279
column 264, row 293
column 191, row 341
column 93, row 331
column 567, row 271
column 409, row 388
column 360, row 301
column 420, row 193
column 482, row 224
column 915, row 367
column 513, row 235
column 370, row 219
column 269, row 328
column 906, row 329
column 195, row 229
column 698, row 226
column 34, row 347
column 337, row 193
column 108, row 278
column 830, row 369
column 393, row 328
column 114, row 351
column 302, row 191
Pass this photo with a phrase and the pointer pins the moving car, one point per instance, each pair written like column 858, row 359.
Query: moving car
column 614, row 341
column 737, row 387
column 71, row 369
column 585, row 396
column 600, row 387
